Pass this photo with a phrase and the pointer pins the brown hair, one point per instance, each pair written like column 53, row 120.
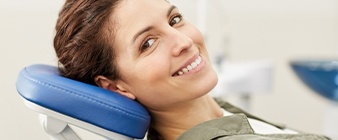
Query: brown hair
column 84, row 40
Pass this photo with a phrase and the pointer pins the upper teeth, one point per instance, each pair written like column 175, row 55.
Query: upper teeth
column 191, row 66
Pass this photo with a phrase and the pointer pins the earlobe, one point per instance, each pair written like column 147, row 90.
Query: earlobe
column 108, row 84
column 124, row 92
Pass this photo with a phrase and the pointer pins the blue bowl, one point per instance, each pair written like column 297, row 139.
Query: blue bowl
column 320, row 76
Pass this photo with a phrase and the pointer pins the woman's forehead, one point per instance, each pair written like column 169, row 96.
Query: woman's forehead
column 131, row 9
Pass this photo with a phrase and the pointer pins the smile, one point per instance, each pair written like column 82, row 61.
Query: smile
column 189, row 67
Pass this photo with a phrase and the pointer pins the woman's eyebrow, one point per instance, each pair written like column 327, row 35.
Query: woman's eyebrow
column 170, row 10
column 142, row 32
column 148, row 28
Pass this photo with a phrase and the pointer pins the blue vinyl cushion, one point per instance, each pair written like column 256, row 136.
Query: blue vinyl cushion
column 42, row 85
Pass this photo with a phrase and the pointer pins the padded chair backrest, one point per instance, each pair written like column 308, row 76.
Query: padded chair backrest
column 42, row 85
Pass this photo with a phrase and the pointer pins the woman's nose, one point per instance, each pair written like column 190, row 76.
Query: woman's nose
column 181, row 42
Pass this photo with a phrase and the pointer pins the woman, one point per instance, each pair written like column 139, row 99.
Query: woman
column 146, row 51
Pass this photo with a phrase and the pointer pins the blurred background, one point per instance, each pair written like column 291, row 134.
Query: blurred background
column 262, row 35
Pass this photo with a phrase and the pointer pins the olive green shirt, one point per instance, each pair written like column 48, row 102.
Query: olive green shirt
column 237, row 127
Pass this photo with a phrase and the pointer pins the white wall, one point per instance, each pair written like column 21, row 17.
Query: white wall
column 278, row 30
column 25, row 38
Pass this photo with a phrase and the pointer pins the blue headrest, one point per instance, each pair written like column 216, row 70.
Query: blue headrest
column 42, row 85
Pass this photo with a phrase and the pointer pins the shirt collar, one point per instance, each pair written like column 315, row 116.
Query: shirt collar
column 225, row 126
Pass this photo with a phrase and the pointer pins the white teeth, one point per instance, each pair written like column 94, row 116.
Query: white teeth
column 191, row 66
column 198, row 61
column 185, row 70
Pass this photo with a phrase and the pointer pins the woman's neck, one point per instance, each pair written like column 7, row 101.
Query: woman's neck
column 171, row 124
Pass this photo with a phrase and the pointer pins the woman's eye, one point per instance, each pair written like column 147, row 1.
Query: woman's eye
column 147, row 44
column 175, row 20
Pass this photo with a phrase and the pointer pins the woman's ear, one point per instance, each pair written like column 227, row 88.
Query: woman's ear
column 111, row 85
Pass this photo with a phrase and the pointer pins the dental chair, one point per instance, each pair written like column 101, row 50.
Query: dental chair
column 62, row 102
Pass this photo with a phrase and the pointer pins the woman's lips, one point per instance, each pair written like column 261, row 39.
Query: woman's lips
column 194, row 63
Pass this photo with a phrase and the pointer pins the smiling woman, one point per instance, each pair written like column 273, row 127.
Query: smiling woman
column 146, row 51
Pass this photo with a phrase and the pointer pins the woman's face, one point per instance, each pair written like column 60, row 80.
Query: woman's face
column 161, row 58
